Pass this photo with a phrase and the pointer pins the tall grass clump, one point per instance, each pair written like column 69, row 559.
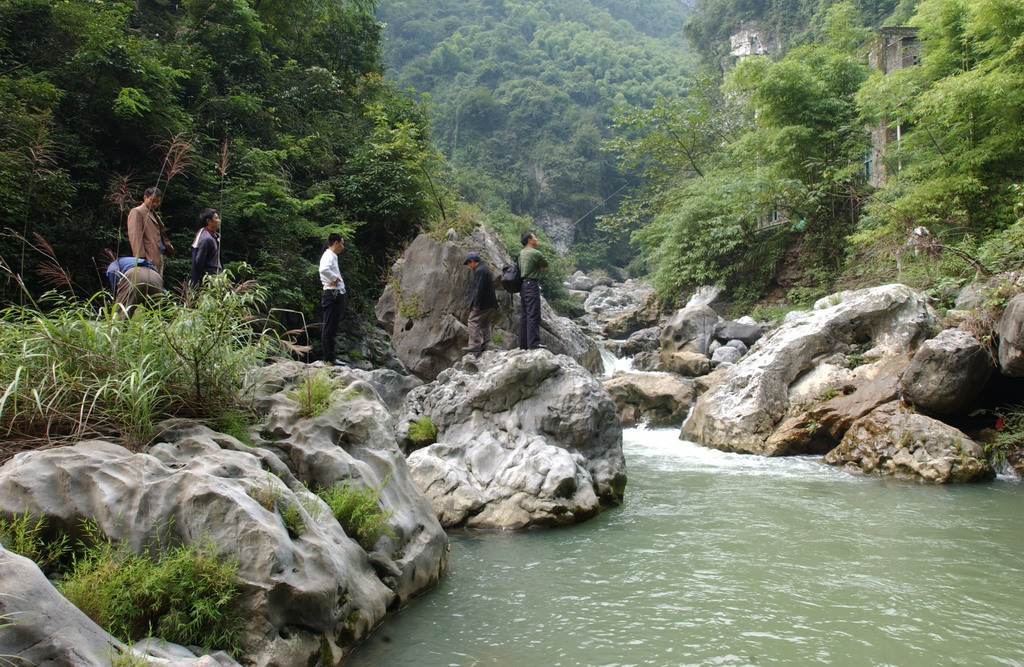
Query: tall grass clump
column 183, row 595
column 71, row 368
column 23, row 534
column 422, row 431
column 313, row 395
column 358, row 511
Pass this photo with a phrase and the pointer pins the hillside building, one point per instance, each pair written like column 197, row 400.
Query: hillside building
column 894, row 49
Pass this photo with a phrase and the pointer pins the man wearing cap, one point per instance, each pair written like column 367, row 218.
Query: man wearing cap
column 482, row 304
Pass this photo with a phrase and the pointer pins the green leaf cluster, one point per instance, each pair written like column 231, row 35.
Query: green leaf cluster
column 313, row 394
column 26, row 536
column 422, row 431
column 957, row 167
column 787, row 138
column 358, row 511
column 775, row 140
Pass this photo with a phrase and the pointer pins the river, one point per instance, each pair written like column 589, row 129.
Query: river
column 725, row 559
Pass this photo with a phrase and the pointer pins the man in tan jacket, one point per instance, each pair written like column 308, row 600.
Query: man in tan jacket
column 146, row 230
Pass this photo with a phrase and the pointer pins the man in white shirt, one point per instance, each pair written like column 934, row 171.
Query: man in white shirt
column 333, row 300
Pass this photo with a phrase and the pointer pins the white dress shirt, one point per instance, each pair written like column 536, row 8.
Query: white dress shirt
column 329, row 271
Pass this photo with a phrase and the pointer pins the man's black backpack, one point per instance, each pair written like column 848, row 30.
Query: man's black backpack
column 511, row 281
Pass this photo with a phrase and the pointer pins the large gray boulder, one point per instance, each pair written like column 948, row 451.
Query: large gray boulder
column 659, row 399
column 623, row 309
column 827, row 400
column 645, row 340
column 424, row 306
column 947, row 372
column 1011, row 338
column 732, row 330
column 523, row 439
column 354, row 439
column 306, row 592
column 746, row 402
column 895, row 441
column 684, row 362
column 38, row 626
column 726, row 354
column 579, row 282
column 302, row 587
column 691, row 329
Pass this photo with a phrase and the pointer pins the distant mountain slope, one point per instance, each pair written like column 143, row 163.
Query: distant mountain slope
column 524, row 93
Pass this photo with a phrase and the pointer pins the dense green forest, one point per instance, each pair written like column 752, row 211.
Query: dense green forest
column 275, row 112
column 523, row 95
column 786, row 137
column 593, row 112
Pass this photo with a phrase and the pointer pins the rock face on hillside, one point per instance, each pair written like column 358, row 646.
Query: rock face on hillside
column 523, row 439
column 746, row 402
column 425, row 307
column 307, row 588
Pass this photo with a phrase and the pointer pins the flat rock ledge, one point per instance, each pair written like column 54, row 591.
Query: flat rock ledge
column 524, row 439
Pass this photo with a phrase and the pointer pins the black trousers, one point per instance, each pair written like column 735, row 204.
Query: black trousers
column 529, row 319
column 334, row 305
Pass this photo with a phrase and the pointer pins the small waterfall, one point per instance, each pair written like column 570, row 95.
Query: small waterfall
column 704, row 295
column 613, row 363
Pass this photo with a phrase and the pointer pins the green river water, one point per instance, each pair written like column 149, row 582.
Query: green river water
column 724, row 559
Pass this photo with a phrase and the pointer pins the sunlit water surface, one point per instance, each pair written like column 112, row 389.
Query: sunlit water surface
column 723, row 559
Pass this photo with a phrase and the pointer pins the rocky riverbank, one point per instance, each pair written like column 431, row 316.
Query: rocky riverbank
column 873, row 380
column 523, row 439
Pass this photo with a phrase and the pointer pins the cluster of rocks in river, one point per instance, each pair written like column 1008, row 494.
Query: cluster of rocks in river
column 870, row 379
column 523, row 439
column 798, row 388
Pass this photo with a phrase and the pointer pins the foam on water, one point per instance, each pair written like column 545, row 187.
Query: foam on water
column 667, row 451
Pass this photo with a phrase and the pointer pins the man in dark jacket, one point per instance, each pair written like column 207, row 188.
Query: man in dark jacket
column 206, row 248
column 482, row 304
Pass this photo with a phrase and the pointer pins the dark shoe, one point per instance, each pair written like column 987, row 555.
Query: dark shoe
column 471, row 350
column 539, row 347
